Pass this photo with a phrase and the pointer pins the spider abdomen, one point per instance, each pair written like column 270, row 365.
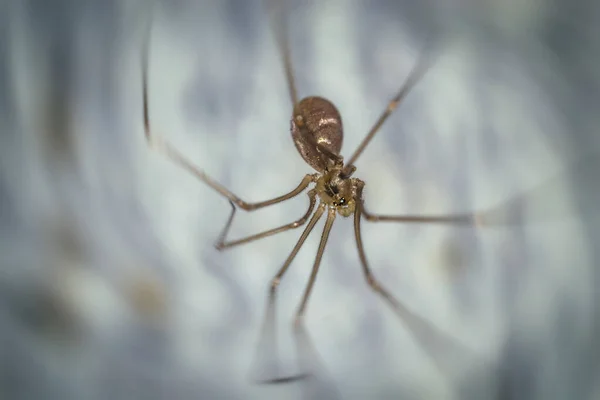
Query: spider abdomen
column 317, row 123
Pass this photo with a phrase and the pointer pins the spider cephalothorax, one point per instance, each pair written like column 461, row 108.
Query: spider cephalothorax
column 338, row 191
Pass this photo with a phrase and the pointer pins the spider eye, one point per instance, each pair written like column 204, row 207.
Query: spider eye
column 342, row 202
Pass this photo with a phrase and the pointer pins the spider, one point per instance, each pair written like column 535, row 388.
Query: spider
column 317, row 132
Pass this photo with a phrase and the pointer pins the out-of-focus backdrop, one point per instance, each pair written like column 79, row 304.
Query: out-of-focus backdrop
column 110, row 287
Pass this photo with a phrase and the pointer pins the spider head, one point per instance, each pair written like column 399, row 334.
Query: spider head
column 337, row 191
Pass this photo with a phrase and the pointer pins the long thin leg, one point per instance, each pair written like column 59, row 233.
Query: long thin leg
column 278, row 25
column 311, row 224
column 222, row 244
column 305, row 350
column 458, row 219
column 165, row 148
column 413, row 78
column 268, row 334
column 397, row 306
column 510, row 211
column 300, row 335
column 313, row 275
column 440, row 346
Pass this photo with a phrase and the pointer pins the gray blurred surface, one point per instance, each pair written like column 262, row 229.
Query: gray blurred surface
column 110, row 286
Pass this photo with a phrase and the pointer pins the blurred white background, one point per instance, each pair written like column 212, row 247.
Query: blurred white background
column 110, row 286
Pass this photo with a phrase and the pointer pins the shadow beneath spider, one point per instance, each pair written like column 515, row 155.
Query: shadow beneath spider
column 313, row 378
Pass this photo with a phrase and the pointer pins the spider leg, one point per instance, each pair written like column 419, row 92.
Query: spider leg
column 268, row 336
column 304, row 347
column 222, row 244
column 455, row 219
column 174, row 155
column 437, row 344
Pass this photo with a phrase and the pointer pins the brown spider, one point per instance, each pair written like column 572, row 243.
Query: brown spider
column 316, row 129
